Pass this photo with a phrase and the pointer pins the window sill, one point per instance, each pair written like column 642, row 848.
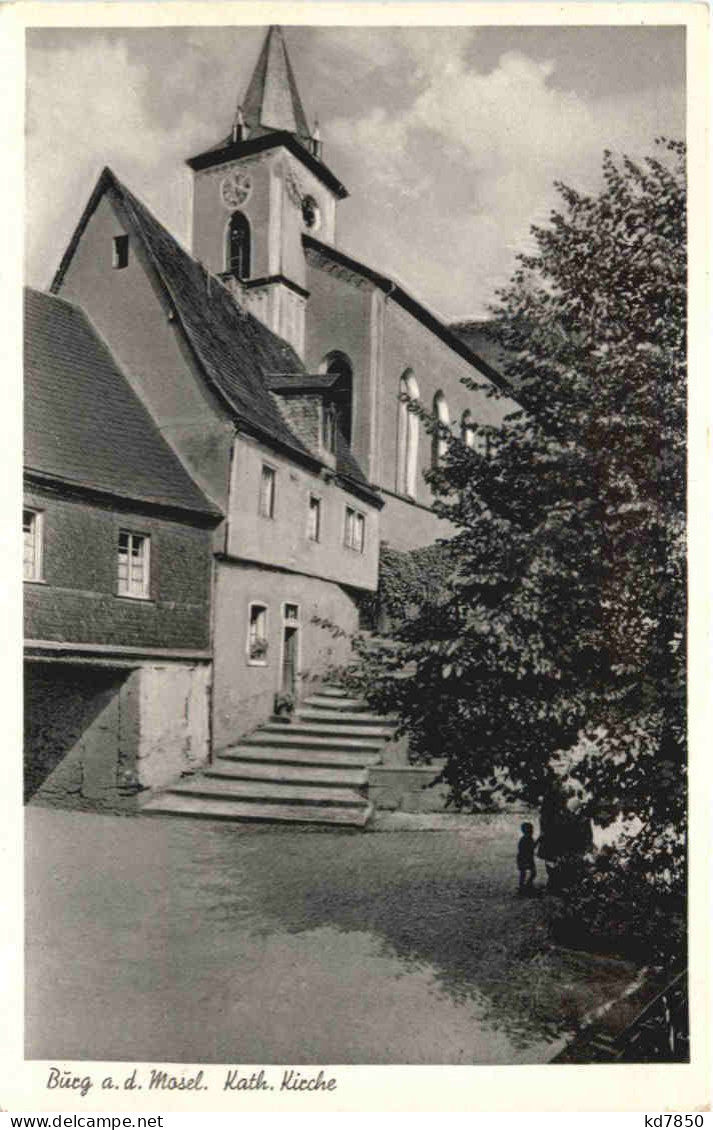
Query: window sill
column 138, row 599
column 256, row 662
column 34, row 581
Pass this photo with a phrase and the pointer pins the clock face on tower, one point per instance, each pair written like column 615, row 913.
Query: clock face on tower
column 235, row 189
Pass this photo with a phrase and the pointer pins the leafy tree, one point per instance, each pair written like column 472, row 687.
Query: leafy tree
column 557, row 656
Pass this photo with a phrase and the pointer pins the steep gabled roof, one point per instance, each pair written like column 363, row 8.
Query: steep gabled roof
column 230, row 346
column 84, row 424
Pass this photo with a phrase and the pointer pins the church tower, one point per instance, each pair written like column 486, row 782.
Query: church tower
column 259, row 190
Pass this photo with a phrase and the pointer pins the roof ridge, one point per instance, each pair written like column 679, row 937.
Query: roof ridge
column 230, row 347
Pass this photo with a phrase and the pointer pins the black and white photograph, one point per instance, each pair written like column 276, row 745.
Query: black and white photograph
column 354, row 548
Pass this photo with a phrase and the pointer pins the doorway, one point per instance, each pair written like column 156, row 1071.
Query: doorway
column 289, row 673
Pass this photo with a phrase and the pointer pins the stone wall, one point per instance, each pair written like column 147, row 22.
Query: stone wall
column 96, row 737
column 407, row 788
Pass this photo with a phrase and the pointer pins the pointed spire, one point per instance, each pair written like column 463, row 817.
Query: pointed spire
column 272, row 101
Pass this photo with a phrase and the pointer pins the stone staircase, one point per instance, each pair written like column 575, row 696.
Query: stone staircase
column 311, row 770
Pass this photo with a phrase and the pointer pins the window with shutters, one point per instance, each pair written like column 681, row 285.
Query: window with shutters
column 134, row 563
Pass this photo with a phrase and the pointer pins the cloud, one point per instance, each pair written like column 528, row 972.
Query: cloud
column 474, row 158
column 70, row 137
column 449, row 157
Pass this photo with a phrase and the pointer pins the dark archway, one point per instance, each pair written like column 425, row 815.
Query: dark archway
column 338, row 364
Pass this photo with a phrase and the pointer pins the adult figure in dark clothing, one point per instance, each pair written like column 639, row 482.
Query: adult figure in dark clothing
column 564, row 838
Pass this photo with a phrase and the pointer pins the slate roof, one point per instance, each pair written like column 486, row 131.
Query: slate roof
column 231, row 347
column 84, row 424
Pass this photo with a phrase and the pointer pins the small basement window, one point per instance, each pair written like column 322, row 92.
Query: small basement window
column 120, row 252
column 354, row 527
column 32, row 545
column 257, row 635
column 134, row 565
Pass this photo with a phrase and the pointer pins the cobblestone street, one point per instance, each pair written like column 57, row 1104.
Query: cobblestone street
column 187, row 941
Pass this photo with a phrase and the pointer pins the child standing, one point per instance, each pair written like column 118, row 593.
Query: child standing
column 526, row 859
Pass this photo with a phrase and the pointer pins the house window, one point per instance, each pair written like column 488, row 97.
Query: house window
column 257, row 635
column 267, row 492
column 237, row 250
column 120, row 252
column 134, row 565
column 292, row 613
column 354, row 530
column 314, row 518
column 32, row 548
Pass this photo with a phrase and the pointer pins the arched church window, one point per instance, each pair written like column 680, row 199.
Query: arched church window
column 407, row 448
column 338, row 364
column 439, row 444
column 467, row 429
column 237, row 251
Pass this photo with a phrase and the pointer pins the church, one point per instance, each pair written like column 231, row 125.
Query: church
column 275, row 371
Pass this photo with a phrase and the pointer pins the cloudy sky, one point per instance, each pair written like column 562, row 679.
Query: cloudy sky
column 449, row 139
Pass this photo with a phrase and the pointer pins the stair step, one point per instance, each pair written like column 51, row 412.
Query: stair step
column 267, row 791
column 339, row 717
column 288, row 774
column 290, row 755
column 332, row 703
column 332, row 692
column 295, row 740
column 171, row 804
column 328, row 729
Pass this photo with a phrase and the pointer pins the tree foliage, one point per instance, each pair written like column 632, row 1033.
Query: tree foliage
column 559, row 652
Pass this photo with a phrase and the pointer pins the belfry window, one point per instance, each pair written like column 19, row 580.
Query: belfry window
column 237, row 250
